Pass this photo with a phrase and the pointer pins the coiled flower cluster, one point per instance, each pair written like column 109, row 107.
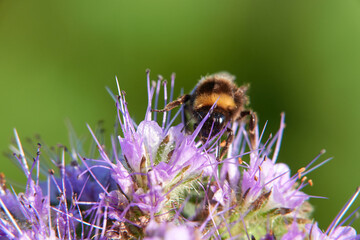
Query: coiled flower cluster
column 156, row 182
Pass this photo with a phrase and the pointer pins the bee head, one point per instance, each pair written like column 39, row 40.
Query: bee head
column 214, row 124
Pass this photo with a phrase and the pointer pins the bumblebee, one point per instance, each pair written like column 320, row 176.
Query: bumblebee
column 231, row 102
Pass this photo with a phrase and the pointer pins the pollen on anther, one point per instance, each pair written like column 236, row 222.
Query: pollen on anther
column 255, row 178
column 301, row 170
column 240, row 160
column 260, row 169
column 304, row 179
column 310, row 182
column 2, row 181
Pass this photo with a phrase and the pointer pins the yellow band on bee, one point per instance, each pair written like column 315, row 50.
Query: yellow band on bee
column 225, row 101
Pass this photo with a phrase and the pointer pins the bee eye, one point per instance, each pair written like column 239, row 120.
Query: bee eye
column 221, row 120
column 218, row 118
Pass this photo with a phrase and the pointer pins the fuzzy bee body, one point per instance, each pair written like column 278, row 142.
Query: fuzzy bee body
column 230, row 100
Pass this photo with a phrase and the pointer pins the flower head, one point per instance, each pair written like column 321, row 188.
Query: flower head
column 29, row 215
column 157, row 182
column 336, row 230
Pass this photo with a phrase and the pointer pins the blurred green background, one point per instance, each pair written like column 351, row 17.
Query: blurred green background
column 301, row 57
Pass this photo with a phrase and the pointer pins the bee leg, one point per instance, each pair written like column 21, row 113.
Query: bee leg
column 173, row 104
column 252, row 126
column 244, row 114
column 229, row 140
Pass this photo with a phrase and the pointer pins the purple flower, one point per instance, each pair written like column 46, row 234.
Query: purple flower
column 263, row 175
column 29, row 215
column 170, row 231
column 339, row 233
column 336, row 230
column 261, row 187
column 294, row 233
column 156, row 167
column 156, row 182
